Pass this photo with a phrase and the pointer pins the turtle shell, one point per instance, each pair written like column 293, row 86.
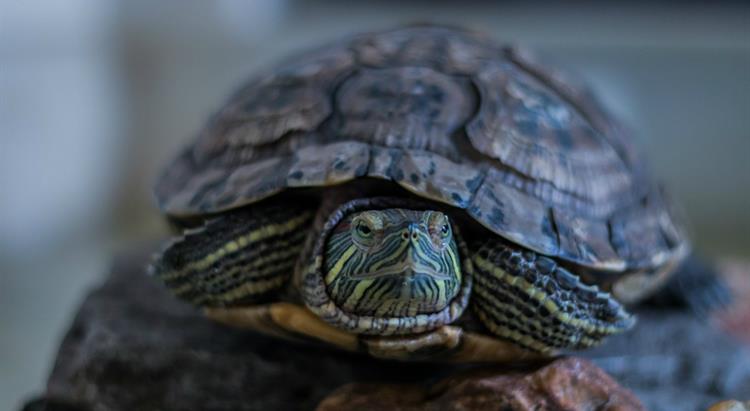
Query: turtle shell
column 451, row 116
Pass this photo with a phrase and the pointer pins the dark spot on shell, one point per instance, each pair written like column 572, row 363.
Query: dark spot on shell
column 361, row 170
column 431, row 171
column 394, row 171
column 565, row 139
column 475, row 211
column 618, row 240
column 473, row 184
column 458, row 200
column 547, row 227
column 497, row 218
column 397, row 175
column 297, row 175
column 528, row 127
column 414, row 178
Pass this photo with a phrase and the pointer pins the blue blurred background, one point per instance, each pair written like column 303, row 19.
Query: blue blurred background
column 96, row 96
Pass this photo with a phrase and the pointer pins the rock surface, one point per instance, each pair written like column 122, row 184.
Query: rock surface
column 731, row 405
column 568, row 384
column 133, row 346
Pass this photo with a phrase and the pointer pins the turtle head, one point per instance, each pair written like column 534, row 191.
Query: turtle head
column 392, row 263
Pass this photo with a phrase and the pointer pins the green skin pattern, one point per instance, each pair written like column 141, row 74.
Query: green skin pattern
column 389, row 271
column 393, row 262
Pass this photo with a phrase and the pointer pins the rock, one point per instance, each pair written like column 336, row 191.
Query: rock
column 731, row 405
column 133, row 346
column 565, row 384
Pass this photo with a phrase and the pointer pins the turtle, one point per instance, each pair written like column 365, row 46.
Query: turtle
column 423, row 192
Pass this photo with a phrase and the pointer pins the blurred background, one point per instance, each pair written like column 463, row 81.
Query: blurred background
column 96, row 96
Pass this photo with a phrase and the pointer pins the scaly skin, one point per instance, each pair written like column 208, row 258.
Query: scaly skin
column 531, row 300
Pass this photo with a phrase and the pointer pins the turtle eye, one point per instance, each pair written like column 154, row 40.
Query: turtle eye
column 363, row 229
column 366, row 229
column 440, row 227
column 445, row 229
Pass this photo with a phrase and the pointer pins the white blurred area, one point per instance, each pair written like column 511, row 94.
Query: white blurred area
column 96, row 96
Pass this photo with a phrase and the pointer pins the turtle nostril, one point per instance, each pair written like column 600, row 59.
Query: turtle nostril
column 413, row 230
column 405, row 235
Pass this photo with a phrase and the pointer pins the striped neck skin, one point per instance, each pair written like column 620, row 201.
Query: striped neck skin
column 392, row 263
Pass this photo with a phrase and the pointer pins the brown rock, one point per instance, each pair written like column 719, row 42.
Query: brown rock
column 565, row 384
column 731, row 405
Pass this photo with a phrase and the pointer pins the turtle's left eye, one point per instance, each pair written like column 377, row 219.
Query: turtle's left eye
column 440, row 227
column 445, row 229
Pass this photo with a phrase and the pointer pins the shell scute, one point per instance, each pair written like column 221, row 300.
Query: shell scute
column 519, row 217
column 337, row 163
column 406, row 107
column 583, row 238
column 528, row 127
column 294, row 97
column 643, row 232
column 448, row 50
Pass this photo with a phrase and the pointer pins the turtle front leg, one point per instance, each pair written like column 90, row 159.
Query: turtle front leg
column 237, row 259
column 529, row 299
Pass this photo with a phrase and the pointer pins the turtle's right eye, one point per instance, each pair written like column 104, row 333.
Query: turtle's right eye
column 363, row 229
column 366, row 229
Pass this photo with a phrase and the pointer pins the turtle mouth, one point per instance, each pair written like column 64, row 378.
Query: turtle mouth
column 406, row 270
column 403, row 289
